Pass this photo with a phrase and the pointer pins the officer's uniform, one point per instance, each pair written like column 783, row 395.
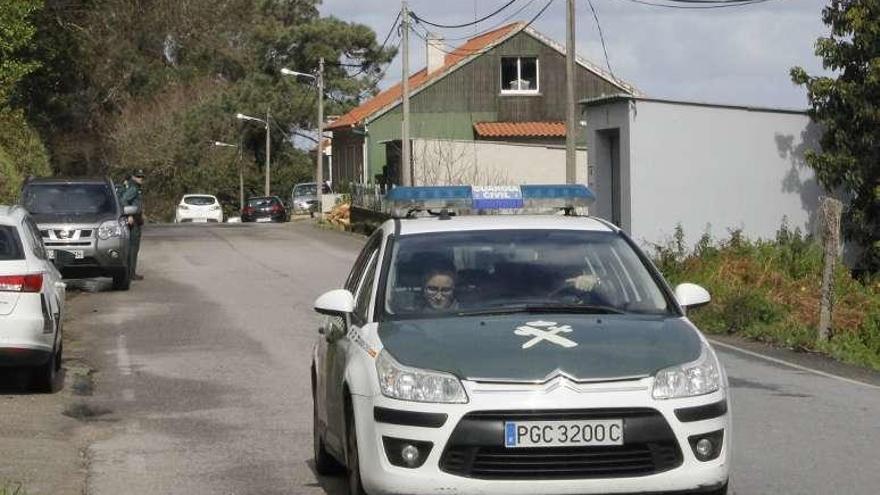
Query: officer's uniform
column 132, row 195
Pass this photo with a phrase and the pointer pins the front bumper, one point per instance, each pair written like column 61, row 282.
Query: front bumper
column 98, row 256
column 650, row 426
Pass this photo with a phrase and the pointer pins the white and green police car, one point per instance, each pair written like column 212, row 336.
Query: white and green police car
column 514, row 354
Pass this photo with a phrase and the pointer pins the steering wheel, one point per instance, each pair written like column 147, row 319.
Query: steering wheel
column 570, row 294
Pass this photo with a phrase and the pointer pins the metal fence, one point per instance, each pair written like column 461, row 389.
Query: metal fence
column 369, row 196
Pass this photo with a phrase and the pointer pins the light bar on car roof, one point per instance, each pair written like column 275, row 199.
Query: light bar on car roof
column 461, row 199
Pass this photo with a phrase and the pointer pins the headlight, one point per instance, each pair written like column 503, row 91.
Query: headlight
column 109, row 229
column 700, row 377
column 401, row 382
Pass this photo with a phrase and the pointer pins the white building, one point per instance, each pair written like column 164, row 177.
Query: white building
column 658, row 163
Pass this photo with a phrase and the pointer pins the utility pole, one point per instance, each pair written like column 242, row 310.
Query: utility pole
column 319, row 166
column 405, row 170
column 268, row 154
column 570, row 123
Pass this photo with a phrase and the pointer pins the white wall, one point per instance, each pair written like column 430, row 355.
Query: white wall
column 714, row 168
column 440, row 162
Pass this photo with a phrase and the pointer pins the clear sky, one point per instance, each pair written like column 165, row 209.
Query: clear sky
column 739, row 55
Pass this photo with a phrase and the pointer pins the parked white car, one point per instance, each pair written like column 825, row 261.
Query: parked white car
column 514, row 355
column 31, row 300
column 199, row 208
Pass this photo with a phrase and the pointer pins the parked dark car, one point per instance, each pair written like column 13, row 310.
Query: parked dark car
column 264, row 209
column 83, row 226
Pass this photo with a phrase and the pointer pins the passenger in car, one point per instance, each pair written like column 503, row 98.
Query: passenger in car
column 438, row 290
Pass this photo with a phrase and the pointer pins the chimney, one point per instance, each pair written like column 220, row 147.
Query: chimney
column 436, row 54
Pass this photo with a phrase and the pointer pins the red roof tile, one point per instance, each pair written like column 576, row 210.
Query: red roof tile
column 473, row 47
column 520, row 129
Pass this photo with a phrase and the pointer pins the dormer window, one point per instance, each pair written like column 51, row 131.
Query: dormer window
column 519, row 75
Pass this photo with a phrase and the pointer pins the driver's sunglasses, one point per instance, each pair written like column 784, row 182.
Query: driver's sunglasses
column 437, row 289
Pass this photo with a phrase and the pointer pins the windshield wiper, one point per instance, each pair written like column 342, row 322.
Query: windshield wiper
column 543, row 308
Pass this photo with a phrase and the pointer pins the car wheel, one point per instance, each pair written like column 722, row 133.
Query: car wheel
column 355, row 487
column 122, row 279
column 325, row 464
column 43, row 378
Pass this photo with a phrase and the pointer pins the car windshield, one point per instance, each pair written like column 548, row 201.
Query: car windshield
column 199, row 200
column 262, row 202
column 494, row 272
column 70, row 199
column 305, row 190
column 10, row 244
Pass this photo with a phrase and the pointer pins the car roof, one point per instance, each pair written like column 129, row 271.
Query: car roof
column 425, row 225
column 68, row 180
column 195, row 195
column 11, row 214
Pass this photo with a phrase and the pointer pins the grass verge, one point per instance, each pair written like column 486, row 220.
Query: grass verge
column 769, row 291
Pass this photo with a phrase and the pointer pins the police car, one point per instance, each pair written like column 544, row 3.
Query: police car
column 477, row 348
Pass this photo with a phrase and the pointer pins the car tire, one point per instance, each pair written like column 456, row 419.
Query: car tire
column 325, row 464
column 352, row 458
column 44, row 376
column 122, row 279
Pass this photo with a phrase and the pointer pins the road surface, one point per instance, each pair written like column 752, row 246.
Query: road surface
column 202, row 385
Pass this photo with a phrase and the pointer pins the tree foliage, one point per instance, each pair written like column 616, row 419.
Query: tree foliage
column 149, row 85
column 847, row 104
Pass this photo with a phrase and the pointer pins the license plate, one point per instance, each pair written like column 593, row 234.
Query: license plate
column 200, row 220
column 264, row 219
column 78, row 254
column 518, row 434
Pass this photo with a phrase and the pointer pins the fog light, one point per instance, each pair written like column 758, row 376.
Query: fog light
column 114, row 253
column 704, row 447
column 707, row 446
column 410, row 455
column 406, row 453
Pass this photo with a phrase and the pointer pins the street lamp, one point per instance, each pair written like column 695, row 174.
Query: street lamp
column 221, row 144
column 241, row 116
column 318, row 77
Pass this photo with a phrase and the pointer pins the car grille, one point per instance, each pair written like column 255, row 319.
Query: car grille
column 650, row 448
column 63, row 234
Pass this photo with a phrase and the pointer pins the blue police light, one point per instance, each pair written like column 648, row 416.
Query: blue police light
column 403, row 200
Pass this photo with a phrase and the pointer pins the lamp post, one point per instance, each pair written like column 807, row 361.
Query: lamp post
column 318, row 77
column 241, row 116
column 221, row 144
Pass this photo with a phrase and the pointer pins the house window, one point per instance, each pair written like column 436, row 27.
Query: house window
column 519, row 75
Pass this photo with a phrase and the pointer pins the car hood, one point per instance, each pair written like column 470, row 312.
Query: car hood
column 495, row 348
column 305, row 198
column 73, row 218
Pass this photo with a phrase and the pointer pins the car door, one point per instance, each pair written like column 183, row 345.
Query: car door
column 333, row 348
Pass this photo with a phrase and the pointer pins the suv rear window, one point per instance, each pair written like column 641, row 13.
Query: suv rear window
column 48, row 199
column 10, row 244
column 199, row 200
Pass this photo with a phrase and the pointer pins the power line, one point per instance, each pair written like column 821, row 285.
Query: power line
column 467, row 24
column 494, row 27
column 697, row 5
column 602, row 39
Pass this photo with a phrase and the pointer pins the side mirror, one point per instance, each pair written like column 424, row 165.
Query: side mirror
column 130, row 210
column 339, row 302
column 691, row 296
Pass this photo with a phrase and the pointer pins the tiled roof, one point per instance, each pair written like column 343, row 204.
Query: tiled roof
column 520, row 129
column 473, row 47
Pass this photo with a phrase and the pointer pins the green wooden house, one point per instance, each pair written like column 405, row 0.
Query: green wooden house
column 494, row 108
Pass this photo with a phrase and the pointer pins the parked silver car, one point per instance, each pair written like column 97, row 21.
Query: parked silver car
column 83, row 226
column 304, row 197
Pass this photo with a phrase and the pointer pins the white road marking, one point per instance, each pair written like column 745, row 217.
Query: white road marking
column 792, row 365
column 123, row 359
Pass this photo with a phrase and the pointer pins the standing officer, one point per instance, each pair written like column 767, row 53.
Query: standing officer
column 132, row 195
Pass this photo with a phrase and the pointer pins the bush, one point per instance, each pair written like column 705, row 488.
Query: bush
column 770, row 291
column 21, row 154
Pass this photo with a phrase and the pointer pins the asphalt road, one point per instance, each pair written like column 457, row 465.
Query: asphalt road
column 202, row 383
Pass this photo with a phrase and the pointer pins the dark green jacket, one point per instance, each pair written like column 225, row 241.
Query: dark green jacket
column 133, row 196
